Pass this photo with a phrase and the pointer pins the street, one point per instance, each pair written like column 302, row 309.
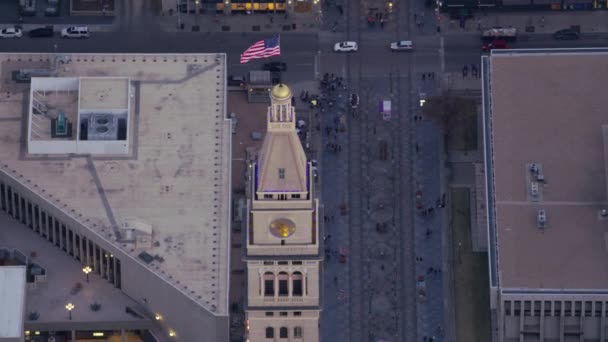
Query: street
column 382, row 188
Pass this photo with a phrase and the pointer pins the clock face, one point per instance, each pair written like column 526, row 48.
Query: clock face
column 282, row 228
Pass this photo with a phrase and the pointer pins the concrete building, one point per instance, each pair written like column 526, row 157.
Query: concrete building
column 121, row 161
column 12, row 297
column 546, row 155
column 282, row 255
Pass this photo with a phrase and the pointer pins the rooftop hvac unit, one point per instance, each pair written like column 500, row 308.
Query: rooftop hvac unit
column 541, row 219
column 540, row 177
column 103, row 127
column 534, row 168
column 604, row 213
column 534, row 189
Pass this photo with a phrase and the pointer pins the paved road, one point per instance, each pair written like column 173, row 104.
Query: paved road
column 299, row 50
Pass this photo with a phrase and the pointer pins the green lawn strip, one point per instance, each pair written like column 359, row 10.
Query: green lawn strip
column 470, row 275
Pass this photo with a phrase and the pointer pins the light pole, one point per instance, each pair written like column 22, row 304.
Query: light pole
column 70, row 307
column 86, row 271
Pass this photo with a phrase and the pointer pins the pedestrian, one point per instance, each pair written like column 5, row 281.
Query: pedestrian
column 417, row 148
column 438, row 203
column 424, row 77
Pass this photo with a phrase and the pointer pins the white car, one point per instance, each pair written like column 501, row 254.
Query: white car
column 346, row 47
column 402, row 45
column 10, row 32
column 75, row 32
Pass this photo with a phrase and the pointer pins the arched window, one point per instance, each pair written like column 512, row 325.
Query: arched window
column 269, row 284
column 269, row 332
column 283, row 286
column 283, row 332
column 297, row 283
column 297, row 332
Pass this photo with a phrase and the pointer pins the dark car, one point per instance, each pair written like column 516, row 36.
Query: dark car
column 567, row 34
column 236, row 81
column 41, row 32
column 275, row 66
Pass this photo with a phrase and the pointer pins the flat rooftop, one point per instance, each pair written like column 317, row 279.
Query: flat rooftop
column 548, row 109
column 12, row 295
column 175, row 178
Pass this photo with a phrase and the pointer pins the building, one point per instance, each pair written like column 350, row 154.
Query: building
column 12, row 295
column 122, row 162
column 546, row 157
column 282, row 255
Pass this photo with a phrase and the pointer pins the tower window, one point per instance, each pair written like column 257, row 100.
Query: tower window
column 269, row 332
column 268, row 284
column 267, row 196
column 283, row 332
column 297, row 332
column 297, row 284
column 269, row 313
column 283, row 284
column 295, row 195
column 281, row 173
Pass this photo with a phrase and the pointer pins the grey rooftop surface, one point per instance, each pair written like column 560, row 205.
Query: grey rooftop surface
column 549, row 109
column 175, row 178
column 12, row 295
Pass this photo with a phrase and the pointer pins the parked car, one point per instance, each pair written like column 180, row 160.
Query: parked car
column 496, row 44
column 403, row 45
column 275, row 66
column 236, row 81
column 10, row 32
column 41, row 32
column 75, row 32
column 346, row 47
column 567, row 34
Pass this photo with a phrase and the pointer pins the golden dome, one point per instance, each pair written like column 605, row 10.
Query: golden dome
column 282, row 228
column 280, row 92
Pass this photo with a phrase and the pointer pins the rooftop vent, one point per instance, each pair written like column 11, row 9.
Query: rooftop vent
column 103, row 127
column 534, row 189
column 541, row 218
column 534, row 168
column 603, row 213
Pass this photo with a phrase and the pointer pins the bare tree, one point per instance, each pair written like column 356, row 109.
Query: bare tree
column 454, row 114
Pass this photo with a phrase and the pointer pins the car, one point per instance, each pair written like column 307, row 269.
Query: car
column 75, row 32
column 346, row 47
column 402, row 45
column 10, row 32
column 41, row 32
column 236, row 81
column 496, row 44
column 567, row 34
column 275, row 66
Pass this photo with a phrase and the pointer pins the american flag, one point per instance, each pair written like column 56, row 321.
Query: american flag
column 262, row 49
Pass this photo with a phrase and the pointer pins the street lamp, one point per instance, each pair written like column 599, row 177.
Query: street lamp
column 70, row 307
column 86, row 271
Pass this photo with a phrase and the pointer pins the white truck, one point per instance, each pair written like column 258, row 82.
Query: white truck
column 502, row 33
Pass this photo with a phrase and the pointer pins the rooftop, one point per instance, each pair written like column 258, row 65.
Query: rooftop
column 546, row 111
column 174, row 177
column 12, row 295
column 64, row 282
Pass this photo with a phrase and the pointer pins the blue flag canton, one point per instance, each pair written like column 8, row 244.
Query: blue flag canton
column 271, row 42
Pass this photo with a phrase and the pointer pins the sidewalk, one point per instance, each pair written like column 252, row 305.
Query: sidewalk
column 296, row 22
column 532, row 22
